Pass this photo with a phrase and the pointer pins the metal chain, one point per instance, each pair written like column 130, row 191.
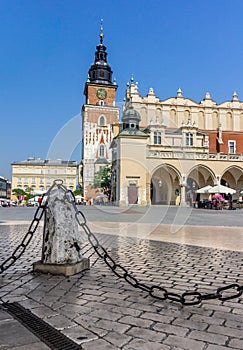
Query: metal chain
column 19, row 251
column 228, row 292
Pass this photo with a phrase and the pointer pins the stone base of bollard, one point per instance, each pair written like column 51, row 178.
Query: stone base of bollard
column 62, row 269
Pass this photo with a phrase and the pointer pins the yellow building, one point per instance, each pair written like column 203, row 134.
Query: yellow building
column 38, row 175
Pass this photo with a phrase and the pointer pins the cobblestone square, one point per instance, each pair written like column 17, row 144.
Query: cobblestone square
column 98, row 310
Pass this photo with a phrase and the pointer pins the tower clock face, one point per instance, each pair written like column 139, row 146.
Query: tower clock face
column 101, row 93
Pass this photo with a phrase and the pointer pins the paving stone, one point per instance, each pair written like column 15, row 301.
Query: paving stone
column 126, row 311
column 170, row 329
column 213, row 338
column 146, row 334
column 105, row 314
column 236, row 343
column 201, row 326
column 231, row 332
column 117, row 339
column 110, row 325
column 157, row 317
column 99, row 344
column 136, row 321
column 184, row 343
column 80, row 334
column 234, row 324
column 141, row 344
column 207, row 319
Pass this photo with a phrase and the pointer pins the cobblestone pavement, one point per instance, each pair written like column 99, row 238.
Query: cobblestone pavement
column 98, row 310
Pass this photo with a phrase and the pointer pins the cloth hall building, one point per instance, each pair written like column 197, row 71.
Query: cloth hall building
column 161, row 151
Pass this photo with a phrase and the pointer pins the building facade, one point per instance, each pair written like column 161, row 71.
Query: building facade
column 99, row 113
column 5, row 188
column 38, row 174
column 173, row 147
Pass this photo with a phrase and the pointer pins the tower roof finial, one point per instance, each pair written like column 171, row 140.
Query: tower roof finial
column 101, row 31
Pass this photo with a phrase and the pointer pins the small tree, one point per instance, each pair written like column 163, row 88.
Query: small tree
column 18, row 192
column 26, row 194
column 78, row 192
column 102, row 180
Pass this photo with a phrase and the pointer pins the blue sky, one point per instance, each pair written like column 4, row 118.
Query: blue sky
column 47, row 47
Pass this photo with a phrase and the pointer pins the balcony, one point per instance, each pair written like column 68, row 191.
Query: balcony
column 173, row 154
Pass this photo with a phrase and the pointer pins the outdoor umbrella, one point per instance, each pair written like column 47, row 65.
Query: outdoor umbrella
column 221, row 189
column 204, row 189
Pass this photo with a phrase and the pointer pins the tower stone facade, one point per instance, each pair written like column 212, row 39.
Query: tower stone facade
column 99, row 113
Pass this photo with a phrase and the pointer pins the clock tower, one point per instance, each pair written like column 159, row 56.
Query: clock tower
column 99, row 113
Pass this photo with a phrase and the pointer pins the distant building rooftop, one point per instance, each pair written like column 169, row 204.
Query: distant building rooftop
column 39, row 161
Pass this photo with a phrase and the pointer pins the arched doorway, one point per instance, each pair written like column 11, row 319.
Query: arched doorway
column 165, row 186
column 198, row 177
column 233, row 177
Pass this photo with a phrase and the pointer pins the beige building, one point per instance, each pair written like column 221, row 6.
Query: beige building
column 165, row 150
column 39, row 174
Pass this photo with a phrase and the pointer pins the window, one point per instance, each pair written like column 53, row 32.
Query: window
column 19, row 179
column 231, row 145
column 33, row 179
column 189, row 139
column 157, row 138
column 55, row 171
column 102, row 151
column 48, row 171
column 25, row 180
column 102, row 121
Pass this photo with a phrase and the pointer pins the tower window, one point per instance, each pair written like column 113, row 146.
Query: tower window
column 189, row 139
column 102, row 121
column 157, row 138
column 231, row 146
column 102, row 151
column 102, row 74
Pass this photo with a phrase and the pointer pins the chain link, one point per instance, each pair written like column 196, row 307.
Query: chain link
column 187, row 298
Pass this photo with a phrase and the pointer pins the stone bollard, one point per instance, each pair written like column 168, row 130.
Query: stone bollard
column 61, row 251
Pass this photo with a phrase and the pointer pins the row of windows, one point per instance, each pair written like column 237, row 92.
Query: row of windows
column 42, row 188
column 48, row 180
column 189, row 141
column 188, row 138
column 42, row 171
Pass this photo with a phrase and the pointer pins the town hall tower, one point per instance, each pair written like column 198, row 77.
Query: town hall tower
column 99, row 113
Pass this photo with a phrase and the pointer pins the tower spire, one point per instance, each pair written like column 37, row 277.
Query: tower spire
column 101, row 31
column 100, row 72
